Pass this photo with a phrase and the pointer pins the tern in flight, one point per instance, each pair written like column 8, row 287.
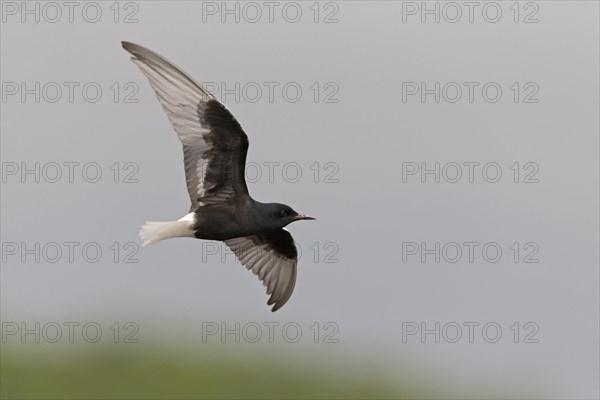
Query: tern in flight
column 214, row 156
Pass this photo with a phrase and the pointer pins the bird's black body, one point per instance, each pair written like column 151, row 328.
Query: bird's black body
column 242, row 217
column 214, row 157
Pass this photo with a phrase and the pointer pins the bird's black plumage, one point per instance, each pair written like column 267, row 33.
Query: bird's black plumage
column 229, row 146
column 214, row 153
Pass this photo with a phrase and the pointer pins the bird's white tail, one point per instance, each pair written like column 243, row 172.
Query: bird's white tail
column 152, row 232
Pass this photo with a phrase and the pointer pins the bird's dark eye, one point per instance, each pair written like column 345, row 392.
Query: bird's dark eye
column 283, row 213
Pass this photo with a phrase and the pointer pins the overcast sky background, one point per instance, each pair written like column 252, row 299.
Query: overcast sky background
column 364, row 217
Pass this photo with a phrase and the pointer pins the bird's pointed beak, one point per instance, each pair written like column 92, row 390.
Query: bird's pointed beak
column 302, row 216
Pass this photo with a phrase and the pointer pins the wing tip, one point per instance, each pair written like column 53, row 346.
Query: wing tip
column 279, row 302
column 134, row 48
column 276, row 307
column 127, row 45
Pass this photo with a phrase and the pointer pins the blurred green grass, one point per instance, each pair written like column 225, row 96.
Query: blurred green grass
column 115, row 372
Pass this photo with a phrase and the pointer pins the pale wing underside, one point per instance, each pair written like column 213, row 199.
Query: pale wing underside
column 273, row 258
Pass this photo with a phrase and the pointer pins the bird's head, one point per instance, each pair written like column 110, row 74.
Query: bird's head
column 280, row 215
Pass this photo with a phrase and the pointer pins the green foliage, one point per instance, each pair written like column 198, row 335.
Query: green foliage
column 124, row 373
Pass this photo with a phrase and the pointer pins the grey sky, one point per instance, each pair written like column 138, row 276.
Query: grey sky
column 366, row 61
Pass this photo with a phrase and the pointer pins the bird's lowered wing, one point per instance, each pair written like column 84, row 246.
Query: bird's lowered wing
column 214, row 144
column 273, row 258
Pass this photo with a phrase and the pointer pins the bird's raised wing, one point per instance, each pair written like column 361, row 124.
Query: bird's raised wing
column 214, row 144
column 273, row 258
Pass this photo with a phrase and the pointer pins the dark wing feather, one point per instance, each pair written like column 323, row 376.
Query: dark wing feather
column 214, row 143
